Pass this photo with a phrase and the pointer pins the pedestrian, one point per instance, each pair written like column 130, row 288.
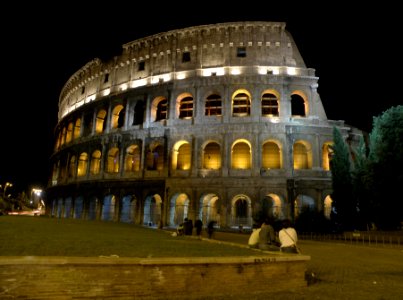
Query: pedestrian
column 210, row 229
column 199, row 226
column 267, row 236
column 188, row 226
column 179, row 230
column 253, row 241
column 288, row 238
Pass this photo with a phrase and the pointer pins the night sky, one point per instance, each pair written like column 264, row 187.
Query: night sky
column 355, row 52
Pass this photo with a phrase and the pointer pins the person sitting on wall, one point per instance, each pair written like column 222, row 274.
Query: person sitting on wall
column 288, row 238
column 253, row 241
column 267, row 236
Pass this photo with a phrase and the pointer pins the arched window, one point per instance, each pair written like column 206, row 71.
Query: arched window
column 82, row 164
column 69, row 133
column 77, row 129
column 184, row 157
column 63, row 136
column 241, row 156
column 162, row 108
column 212, row 156
column 327, row 153
column 118, row 116
column 132, row 160
column 113, row 160
column 95, row 166
column 241, row 208
column 297, row 105
column 155, row 159
column 213, row 105
column 302, row 156
column 138, row 117
column 186, row 108
column 271, row 156
column 72, row 167
column 241, row 105
column 101, row 121
column 269, row 105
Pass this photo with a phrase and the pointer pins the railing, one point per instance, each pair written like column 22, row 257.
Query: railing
column 382, row 239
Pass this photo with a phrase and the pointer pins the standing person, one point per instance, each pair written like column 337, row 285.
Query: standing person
column 288, row 238
column 188, row 226
column 267, row 236
column 210, row 229
column 199, row 226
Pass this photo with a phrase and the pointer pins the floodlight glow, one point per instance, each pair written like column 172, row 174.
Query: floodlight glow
column 291, row 71
column 213, row 71
column 90, row 98
column 139, row 82
column 235, row 71
column 123, row 87
column 181, row 75
column 106, row 92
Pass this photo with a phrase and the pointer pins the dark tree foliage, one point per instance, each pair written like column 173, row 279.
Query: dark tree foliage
column 362, row 181
column 310, row 220
column 386, row 168
column 343, row 199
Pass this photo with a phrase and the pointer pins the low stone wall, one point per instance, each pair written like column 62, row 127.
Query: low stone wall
column 37, row 277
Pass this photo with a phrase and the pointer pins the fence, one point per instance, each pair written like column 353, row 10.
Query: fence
column 358, row 238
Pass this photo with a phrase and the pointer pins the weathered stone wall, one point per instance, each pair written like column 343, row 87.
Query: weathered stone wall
column 161, row 278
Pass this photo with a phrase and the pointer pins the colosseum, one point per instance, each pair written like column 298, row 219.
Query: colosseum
column 213, row 122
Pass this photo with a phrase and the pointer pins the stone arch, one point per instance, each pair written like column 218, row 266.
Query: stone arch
column 303, row 202
column 179, row 208
column 181, row 155
column 128, row 209
column 209, row 208
column 272, row 155
column 327, row 153
column 270, row 103
column 108, row 208
column 152, row 210
column 302, row 155
column 241, row 211
column 328, row 206
column 241, row 154
column 299, row 104
column 211, row 155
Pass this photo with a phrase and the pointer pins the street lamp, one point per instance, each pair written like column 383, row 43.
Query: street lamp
column 6, row 185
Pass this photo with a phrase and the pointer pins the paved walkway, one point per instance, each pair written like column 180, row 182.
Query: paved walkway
column 343, row 271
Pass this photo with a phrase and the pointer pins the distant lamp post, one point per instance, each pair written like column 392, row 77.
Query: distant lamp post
column 6, row 185
column 36, row 197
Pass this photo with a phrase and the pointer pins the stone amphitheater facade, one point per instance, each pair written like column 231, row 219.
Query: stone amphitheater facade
column 213, row 122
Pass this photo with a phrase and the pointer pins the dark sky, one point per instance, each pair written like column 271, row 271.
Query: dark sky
column 355, row 52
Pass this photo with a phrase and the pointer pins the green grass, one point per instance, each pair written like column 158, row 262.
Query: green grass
column 44, row 236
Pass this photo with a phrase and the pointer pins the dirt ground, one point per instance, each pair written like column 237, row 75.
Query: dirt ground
column 342, row 271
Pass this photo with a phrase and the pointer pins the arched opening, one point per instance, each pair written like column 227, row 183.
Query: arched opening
column 212, row 156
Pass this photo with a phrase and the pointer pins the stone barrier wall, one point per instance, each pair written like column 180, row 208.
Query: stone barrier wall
column 157, row 278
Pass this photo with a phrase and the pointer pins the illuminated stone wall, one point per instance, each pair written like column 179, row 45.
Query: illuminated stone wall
column 225, row 117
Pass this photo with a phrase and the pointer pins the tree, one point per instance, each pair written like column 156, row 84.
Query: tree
column 385, row 167
column 362, row 181
column 344, row 202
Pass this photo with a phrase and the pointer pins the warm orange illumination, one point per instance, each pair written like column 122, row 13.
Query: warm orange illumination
column 241, row 156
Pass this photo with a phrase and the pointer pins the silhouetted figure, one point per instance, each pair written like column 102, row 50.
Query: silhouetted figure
column 199, row 226
column 188, row 226
column 210, row 229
